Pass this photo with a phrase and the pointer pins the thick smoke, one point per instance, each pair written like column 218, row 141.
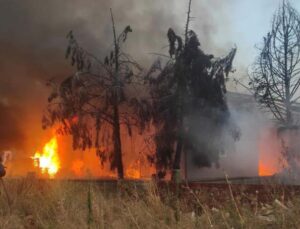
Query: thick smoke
column 10, row 127
column 240, row 158
column 33, row 42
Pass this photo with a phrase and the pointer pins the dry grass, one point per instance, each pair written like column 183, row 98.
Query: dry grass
column 66, row 204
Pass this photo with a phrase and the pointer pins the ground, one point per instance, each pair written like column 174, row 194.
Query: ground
column 34, row 203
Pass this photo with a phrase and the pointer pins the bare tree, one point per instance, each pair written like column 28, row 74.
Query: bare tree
column 275, row 79
column 98, row 99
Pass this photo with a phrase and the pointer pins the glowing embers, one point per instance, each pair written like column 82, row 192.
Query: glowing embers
column 48, row 161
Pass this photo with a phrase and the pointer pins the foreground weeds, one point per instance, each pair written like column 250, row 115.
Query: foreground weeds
column 36, row 203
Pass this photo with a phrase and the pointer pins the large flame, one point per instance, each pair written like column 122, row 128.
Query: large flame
column 48, row 161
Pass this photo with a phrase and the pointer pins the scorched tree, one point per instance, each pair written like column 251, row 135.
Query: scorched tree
column 98, row 99
column 188, row 89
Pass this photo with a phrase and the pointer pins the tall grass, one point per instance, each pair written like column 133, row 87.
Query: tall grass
column 68, row 204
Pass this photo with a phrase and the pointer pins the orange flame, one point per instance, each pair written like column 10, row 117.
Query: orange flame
column 48, row 161
column 132, row 173
column 270, row 156
column 265, row 169
column 78, row 168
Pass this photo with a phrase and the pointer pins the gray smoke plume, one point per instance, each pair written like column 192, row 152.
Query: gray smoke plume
column 33, row 42
column 240, row 158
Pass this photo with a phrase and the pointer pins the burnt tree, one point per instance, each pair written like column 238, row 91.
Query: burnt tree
column 93, row 104
column 192, row 84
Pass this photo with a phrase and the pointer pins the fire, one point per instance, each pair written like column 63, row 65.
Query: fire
column 48, row 161
column 270, row 161
column 78, row 168
column 132, row 173
column 265, row 169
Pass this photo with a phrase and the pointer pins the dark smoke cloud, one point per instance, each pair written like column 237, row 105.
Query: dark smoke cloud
column 10, row 128
column 33, row 41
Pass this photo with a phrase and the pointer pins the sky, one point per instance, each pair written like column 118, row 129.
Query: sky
column 251, row 21
column 33, row 42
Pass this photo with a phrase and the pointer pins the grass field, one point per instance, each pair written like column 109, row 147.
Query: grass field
column 33, row 203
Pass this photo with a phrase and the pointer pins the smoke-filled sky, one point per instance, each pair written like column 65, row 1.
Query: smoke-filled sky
column 33, row 42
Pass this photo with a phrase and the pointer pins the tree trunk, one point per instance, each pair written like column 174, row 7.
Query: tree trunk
column 117, row 142
column 181, row 71
column 116, row 117
column 286, row 71
column 181, row 88
column 177, row 159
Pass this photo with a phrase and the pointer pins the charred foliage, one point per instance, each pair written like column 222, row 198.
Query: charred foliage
column 98, row 99
column 187, row 93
